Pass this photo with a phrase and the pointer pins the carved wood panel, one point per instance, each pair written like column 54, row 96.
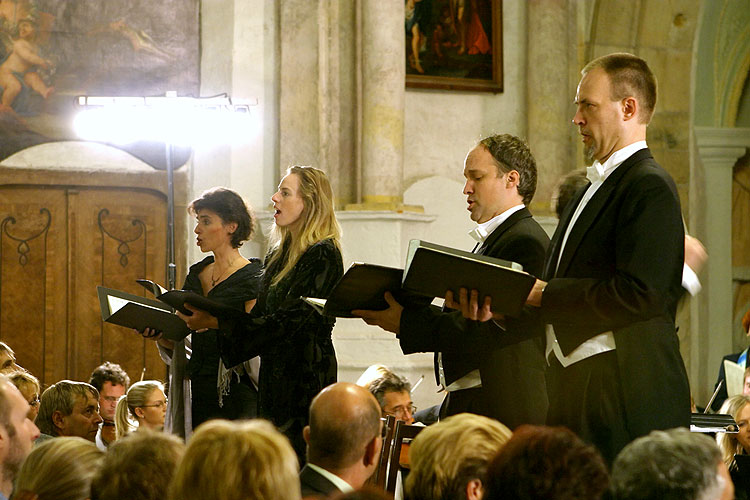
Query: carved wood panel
column 57, row 245
column 33, row 261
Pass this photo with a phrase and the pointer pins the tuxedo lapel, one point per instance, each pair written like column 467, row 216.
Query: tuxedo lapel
column 593, row 209
column 502, row 228
column 554, row 249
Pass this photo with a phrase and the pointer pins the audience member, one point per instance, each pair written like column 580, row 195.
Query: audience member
column 546, row 463
column 59, row 469
column 69, row 408
column 240, row 460
column 343, row 440
column 111, row 381
column 7, row 359
column 736, row 444
column 738, row 357
column 393, row 393
column 449, row 459
column 17, row 434
column 138, row 467
column 28, row 384
column 145, row 404
column 671, row 465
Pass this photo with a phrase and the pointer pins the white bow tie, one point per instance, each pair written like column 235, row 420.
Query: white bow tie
column 595, row 173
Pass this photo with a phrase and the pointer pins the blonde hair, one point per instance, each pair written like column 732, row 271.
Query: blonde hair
column 138, row 467
column 60, row 469
column 728, row 443
column 446, row 456
column 25, row 379
column 239, row 460
column 136, row 397
column 318, row 220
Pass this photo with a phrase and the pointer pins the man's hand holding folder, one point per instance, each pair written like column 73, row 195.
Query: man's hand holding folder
column 387, row 319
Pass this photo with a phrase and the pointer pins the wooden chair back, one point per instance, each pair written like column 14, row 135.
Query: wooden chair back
column 403, row 435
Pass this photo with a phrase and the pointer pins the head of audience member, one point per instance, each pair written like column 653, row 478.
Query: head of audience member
column 615, row 101
column 550, row 463
column 222, row 456
column 111, row 381
column 730, row 444
column 563, row 194
column 221, row 209
column 449, row 459
column 7, row 359
column 394, row 396
column 500, row 173
column 59, row 469
column 671, row 465
column 138, row 467
column 69, row 408
column 28, row 384
column 17, row 434
column 344, row 432
column 144, row 404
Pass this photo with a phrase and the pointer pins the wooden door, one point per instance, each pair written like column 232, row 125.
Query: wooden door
column 58, row 244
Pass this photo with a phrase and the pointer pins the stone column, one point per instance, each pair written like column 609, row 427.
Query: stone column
column 548, row 95
column 719, row 150
column 383, row 94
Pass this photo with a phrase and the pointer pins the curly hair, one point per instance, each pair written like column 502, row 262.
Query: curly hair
column 511, row 153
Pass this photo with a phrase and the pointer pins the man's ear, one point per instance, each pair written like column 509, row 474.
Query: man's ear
column 513, row 178
column 58, row 419
column 306, row 434
column 629, row 108
column 474, row 490
column 372, row 451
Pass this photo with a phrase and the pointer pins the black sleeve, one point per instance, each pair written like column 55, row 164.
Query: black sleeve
column 314, row 275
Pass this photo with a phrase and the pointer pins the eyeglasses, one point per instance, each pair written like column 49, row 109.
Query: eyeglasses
column 158, row 404
column 402, row 411
column 35, row 401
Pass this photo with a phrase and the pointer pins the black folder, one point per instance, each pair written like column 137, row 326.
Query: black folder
column 363, row 287
column 133, row 311
column 433, row 269
column 178, row 298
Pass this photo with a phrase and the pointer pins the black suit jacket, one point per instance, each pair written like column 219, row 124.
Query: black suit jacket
column 314, row 484
column 621, row 271
column 510, row 361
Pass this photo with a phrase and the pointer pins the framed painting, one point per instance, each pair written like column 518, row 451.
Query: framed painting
column 454, row 44
column 54, row 50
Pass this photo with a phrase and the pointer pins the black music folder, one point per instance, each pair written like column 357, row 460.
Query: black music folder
column 363, row 287
column 178, row 298
column 133, row 311
column 433, row 269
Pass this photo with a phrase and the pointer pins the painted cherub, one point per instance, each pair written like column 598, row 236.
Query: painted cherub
column 20, row 63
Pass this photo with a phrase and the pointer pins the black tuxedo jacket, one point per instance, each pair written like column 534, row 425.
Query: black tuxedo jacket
column 314, row 484
column 621, row 271
column 511, row 361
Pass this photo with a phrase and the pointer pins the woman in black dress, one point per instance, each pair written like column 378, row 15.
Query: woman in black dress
column 292, row 340
column 223, row 223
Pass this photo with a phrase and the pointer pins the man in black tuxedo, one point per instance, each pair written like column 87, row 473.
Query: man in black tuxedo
column 343, row 440
column 613, row 274
column 494, row 369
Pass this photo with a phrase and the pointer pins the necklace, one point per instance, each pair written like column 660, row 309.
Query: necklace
column 215, row 281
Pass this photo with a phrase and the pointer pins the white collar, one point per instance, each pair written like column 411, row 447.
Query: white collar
column 483, row 230
column 599, row 171
column 342, row 485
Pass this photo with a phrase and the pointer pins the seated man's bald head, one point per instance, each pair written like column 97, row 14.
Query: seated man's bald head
column 344, row 418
